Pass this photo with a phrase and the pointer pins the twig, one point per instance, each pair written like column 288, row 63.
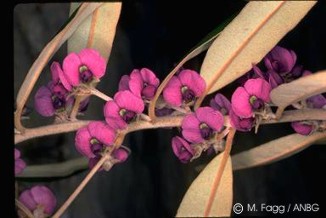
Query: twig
column 75, row 108
column 80, row 187
column 24, row 209
column 100, row 94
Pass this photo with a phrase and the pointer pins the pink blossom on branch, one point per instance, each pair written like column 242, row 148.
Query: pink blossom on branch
column 184, row 88
column 82, row 67
column 39, row 200
column 123, row 109
column 182, row 149
column 250, row 98
column 202, row 125
column 19, row 163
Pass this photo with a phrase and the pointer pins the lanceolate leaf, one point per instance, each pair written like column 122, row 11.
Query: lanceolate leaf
column 195, row 200
column 274, row 150
column 287, row 94
column 34, row 72
column 97, row 31
column 202, row 46
column 210, row 195
column 248, row 38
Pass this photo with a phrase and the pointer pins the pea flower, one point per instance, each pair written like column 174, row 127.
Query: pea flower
column 280, row 60
column 221, row 103
column 91, row 140
column 19, row 163
column 250, row 98
column 84, row 67
column 303, row 128
column 123, row 109
column 182, row 149
column 184, row 88
column 39, row 200
column 202, row 125
column 241, row 124
column 142, row 83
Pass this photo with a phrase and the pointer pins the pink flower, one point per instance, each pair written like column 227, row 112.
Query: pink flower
column 221, row 103
column 302, row 128
column 202, row 125
column 39, row 198
column 184, row 88
column 241, row 124
column 280, row 60
column 316, row 101
column 182, row 149
column 123, row 109
column 124, row 83
column 253, row 96
column 91, row 140
column 118, row 156
column 83, row 67
column 19, row 163
column 51, row 99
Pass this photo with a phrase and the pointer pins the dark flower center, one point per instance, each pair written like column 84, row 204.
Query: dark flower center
column 126, row 115
column 205, row 131
column 96, row 146
column 187, row 94
column 85, row 75
column 58, row 102
column 256, row 103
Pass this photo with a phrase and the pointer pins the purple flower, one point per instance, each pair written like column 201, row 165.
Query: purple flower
column 84, row 67
column 221, row 103
column 202, row 125
column 118, row 156
column 39, row 198
column 245, row 100
column 161, row 112
column 19, row 163
column 91, row 140
column 241, row 124
column 302, row 128
column 280, row 60
column 316, row 101
column 182, row 149
column 184, row 88
column 123, row 109
column 124, row 83
column 143, row 83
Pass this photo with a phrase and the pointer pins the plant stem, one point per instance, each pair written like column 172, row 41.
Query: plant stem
column 75, row 108
column 100, row 94
column 80, row 187
column 24, row 209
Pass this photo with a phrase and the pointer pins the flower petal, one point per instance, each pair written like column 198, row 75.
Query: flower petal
column 20, row 165
column 27, row 199
column 241, row 124
column 121, row 154
column 112, row 117
column 190, row 129
column 43, row 102
column 127, row 100
column 70, row 66
column 259, row 88
column 172, row 92
column 44, row 196
column 182, row 149
column 124, row 83
column 302, row 128
column 94, row 61
column 17, row 154
column 316, row 101
column 101, row 132
column 221, row 103
column 136, row 83
column 240, row 103
column 82, row 142
column 55, row 68
column 149, row 77
column 62, row 78
column 214, row 119
column 193, row 81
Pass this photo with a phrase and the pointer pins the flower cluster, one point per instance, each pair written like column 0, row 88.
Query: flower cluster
column 82, row 69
